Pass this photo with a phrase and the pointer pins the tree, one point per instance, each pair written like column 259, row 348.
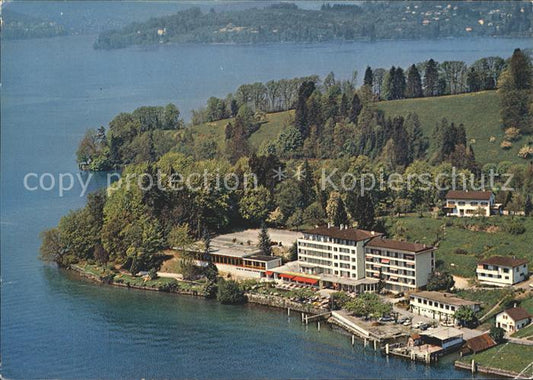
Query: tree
column 289, row 143
column 100, row 254
column 398, row 84
column 229, row 292
column 431, row 78
column 497, row 334
column 236, row 140
column 361, row 209
column 369, row 78
column 206, row 237
column 254, row 205
column 296, row 219
column 355, row 109
column 515, row 93
column 414, row 83
column 301, row 112
column 440, row 281
column 335, row 209
column 338, row 300
column 288, row 197
column 528, row 206
column 179, row 237
column 314, row 214
column 454, row 73
column 265, row 244
column 473, row 80
column 307, row 184
column 465, row 316
column 52, row 248
column 293, row 252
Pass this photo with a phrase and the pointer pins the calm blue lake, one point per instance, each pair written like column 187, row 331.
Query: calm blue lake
column 55, row 325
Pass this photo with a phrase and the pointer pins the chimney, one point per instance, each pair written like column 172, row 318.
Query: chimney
column 341, row 227
column 515, row 305
column 372, row 233
column 329, row 225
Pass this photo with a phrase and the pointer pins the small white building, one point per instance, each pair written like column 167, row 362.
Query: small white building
column 502, row 271
column 471, row 203
column 444, row 337
column 513, row 319
column 439, row 305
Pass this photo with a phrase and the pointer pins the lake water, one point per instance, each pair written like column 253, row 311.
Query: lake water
column 53, row 324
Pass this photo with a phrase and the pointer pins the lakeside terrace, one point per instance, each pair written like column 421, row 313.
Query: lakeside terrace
column 245, row 261
column 292, row 272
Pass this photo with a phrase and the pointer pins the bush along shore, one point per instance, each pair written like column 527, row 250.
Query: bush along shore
column 225, row 291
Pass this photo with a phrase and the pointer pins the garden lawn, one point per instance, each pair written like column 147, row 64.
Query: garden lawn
column 452, row 234
column 509, row 356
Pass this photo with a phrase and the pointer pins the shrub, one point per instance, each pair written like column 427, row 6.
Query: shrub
column 460, row 251
column 169, row 287
column 152, row 273
column 229, row 292
column 338, row 300
column 506, row 144
column 497, row 334
column 516, row 228
column 512, row 134
column 440, row 281
column 525, row 152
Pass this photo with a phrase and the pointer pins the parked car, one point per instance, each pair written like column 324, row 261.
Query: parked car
column 386, row 318
column 402, row 320
column 422, row 326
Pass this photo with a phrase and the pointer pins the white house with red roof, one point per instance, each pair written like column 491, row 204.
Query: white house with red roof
column 502, row 270
column 471, row 203
column 513, row 319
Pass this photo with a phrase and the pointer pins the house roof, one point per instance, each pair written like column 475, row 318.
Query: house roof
column 470, row 195
column 443, row 333
column 504, row 261
column 480, row 343
column 381, row 242
column 446, row 298
column 262, row 258
column 353, row 234
column 517, row 313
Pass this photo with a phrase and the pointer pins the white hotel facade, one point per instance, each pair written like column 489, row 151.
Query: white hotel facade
column 343, row 257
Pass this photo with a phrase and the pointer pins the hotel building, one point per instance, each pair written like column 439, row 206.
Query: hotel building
column 353, row 259
column 403, row 266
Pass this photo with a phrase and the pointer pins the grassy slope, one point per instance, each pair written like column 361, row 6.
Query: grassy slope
column 512, row 357
column 268, row 131
column 479, row 112
column 478, row 244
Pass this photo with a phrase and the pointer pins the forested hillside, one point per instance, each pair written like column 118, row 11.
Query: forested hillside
column 370, row 21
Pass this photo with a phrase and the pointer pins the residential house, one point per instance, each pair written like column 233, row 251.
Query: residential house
column 513, row 319
column 502, row 271
column 471, row 203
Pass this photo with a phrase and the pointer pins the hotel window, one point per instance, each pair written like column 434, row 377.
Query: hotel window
column 473, row 203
